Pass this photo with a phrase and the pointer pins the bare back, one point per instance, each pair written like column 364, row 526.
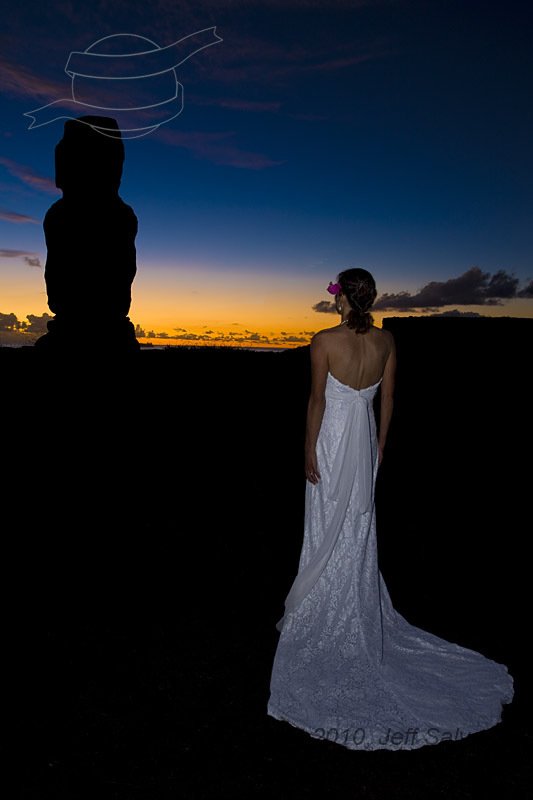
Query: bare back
column 357, row 359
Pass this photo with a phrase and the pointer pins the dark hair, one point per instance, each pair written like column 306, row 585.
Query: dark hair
column 360, row 289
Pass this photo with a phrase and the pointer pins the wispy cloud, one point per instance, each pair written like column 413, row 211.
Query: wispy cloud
column 238, row 104
column 216, row 148
column 324, row 4
column 28, row 176
column 269, row 63
column 20, row 81
column 241, row 56
column 7, row 253
column 14, row 216
column 331, row 64
column 30, row 258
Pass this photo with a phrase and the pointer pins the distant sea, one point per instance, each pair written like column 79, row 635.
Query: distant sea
column 182, row 347
column 214, row 347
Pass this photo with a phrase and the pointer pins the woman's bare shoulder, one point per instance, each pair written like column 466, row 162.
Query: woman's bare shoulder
column 385, row 336
column 325, row 334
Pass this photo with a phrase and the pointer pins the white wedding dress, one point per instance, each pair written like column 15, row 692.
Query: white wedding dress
column 348, row 667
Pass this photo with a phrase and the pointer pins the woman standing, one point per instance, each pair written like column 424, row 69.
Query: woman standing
column 348, row 667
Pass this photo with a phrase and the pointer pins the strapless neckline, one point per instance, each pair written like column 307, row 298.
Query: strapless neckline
column 347, row 386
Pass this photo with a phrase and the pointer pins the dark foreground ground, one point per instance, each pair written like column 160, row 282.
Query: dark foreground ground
column 152, row 519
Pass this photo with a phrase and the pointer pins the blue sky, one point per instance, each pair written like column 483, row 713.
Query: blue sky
column 388, row 134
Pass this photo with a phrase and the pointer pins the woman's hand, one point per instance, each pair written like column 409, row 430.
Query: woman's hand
column 311, row 466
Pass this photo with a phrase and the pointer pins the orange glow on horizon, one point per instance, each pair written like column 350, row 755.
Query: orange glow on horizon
column 204, row 307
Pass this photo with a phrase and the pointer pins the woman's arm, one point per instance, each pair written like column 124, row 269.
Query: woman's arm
column 316, row 404
column 387, row 397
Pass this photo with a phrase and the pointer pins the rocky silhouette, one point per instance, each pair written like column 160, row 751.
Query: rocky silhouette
column 90, row 238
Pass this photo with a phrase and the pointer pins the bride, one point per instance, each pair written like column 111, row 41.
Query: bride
column 348, row 667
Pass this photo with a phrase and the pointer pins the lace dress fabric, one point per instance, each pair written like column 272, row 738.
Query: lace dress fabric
column 348, row 667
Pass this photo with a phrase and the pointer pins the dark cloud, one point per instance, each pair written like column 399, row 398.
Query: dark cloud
column 160, row 335
column 16, row 332
column 37, row 325
column 193, row 337
column 527, row 291
column 33, row 262
column 324, row 306
column 9, row 322
column 287, row 338
column 473, row 288
column 502, row 285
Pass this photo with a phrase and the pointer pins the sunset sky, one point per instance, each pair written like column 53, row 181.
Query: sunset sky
column 318, row 135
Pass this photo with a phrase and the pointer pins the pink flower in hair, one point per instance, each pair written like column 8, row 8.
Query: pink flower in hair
column 334, row 288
